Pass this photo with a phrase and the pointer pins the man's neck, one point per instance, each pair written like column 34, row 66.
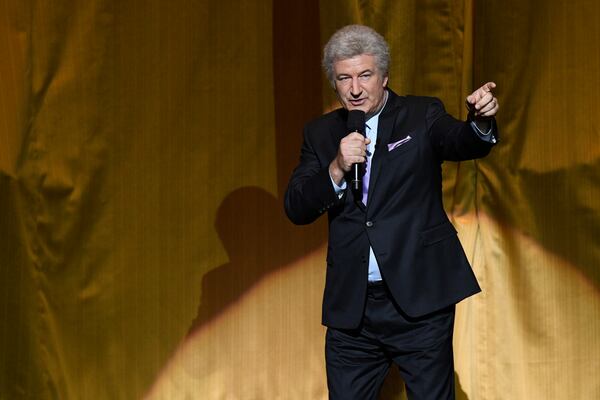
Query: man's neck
column 383, row 103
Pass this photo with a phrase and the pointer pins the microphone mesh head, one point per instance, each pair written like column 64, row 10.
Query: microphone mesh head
column 356, row 121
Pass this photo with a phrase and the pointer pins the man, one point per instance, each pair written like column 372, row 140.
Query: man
column 395, row 267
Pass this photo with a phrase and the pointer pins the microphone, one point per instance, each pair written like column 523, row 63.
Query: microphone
column 356, row 123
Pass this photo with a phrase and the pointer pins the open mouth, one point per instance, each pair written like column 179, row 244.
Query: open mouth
column 358, row 102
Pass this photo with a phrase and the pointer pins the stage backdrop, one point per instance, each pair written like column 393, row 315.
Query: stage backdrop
column 144, row 152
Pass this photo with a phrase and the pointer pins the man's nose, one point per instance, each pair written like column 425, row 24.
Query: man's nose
column 356, row 90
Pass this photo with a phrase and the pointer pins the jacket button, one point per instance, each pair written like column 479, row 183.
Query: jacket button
column 369, row 224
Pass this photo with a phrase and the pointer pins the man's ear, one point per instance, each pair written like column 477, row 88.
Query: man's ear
column 385, row 81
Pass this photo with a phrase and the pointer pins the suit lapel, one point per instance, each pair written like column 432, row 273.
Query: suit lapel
column 387, row 121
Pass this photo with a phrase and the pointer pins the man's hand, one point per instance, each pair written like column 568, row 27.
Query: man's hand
column 353, row 150
column 481, row 103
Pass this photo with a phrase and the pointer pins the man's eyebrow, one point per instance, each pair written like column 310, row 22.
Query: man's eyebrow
column 368, row 70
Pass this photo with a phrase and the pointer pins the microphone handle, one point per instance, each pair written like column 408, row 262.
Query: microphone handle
column 356, row 182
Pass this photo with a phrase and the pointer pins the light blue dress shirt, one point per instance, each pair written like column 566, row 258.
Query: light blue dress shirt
column 371, row 131
column 371, row 126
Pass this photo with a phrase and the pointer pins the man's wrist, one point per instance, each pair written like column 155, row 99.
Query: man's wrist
column 485, row 133
column 336, row 173
column 484, row 126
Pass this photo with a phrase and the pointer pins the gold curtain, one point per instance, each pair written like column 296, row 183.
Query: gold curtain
column 144, row 150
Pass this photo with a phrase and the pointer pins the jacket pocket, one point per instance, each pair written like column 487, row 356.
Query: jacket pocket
column 407, row 146
column 438, row 233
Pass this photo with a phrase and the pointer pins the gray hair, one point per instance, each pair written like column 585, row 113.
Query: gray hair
column 354, row 40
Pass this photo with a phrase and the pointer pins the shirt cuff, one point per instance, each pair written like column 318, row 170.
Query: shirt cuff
column 485, row 136
column 339, row 190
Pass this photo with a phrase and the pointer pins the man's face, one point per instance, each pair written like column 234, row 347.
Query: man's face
column 359, row 84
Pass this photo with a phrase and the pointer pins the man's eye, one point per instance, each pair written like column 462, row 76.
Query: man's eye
column 365, row 76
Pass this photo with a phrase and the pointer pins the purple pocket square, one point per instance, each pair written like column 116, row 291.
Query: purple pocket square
column 392, row 146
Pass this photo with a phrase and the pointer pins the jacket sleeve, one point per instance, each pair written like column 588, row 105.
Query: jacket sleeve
column 310, row 191
column 452, row 139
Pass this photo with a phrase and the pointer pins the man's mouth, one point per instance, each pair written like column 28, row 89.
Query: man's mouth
column 357, row 102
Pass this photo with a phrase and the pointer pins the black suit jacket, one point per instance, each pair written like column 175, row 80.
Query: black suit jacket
column 416, row 246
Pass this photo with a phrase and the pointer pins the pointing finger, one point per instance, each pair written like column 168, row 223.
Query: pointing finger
column 487, row 87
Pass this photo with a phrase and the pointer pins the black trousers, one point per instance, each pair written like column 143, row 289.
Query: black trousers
column 358, row 360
